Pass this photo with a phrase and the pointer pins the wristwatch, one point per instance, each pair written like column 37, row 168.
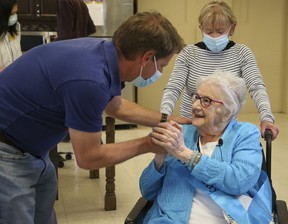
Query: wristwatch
column 163, row 117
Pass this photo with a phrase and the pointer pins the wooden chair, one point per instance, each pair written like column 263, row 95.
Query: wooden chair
column 110, row 196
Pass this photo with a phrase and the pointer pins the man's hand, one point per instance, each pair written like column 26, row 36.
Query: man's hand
column 154, row 148
column 169, row 136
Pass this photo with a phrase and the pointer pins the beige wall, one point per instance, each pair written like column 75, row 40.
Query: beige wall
column 262, row 25
column 285, row 72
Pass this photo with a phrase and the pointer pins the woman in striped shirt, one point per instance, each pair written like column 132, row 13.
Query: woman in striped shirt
column 216, row 52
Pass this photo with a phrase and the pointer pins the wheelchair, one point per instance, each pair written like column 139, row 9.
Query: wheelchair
column 280, row 212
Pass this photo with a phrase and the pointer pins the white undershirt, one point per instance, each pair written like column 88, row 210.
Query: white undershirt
column 204, row 209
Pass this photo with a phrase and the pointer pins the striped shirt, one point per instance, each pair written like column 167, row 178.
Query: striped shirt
column 194, row 61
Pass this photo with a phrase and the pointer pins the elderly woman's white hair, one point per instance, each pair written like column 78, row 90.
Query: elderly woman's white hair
column 232, row 87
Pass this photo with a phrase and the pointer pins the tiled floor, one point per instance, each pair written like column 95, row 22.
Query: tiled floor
column 81, row 200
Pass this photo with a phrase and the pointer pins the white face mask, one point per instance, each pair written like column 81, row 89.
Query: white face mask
column 12, row 20
column 140, row 82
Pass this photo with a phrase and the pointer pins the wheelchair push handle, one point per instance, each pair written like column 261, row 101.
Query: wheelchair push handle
column 268, row 135
column 268, row 138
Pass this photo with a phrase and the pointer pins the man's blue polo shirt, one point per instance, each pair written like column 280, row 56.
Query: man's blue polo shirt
column 55, row 86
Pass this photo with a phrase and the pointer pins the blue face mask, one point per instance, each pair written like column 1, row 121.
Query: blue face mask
column 140, row 82
column 12, row 20
column 216, row 44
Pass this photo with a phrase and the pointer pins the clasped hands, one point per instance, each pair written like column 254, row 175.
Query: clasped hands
column 169, row 136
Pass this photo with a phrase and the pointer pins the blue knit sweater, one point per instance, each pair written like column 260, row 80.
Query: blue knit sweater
column 172, row 188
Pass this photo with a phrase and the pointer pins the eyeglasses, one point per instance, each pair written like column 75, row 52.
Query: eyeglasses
column 205, row 101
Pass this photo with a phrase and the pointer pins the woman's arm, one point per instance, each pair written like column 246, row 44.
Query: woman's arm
column 176, row 82
column 241, row 153
column 240, row 170
column 257, row 90
column 151, row 181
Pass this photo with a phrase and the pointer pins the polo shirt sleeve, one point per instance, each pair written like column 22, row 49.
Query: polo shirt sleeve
column 84, row 103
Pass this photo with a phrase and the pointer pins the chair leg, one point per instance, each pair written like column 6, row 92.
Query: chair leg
column 110, row 196
column 94, row 174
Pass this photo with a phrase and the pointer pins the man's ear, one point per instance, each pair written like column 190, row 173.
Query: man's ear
column 148, row 55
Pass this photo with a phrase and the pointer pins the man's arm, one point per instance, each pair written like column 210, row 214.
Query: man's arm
column 129, row 111
column 91, row 154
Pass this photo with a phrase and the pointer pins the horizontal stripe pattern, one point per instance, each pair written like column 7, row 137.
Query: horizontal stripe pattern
column 194, row 62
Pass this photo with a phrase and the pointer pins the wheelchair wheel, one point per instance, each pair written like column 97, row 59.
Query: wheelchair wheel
column 60, row 164
column 68, row 156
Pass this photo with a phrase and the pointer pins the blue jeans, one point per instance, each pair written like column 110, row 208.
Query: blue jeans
column 28, row 187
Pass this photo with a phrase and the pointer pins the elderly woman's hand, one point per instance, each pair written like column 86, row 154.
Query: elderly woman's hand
column 169, row 136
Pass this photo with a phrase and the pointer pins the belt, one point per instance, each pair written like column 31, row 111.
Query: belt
column 6, row 140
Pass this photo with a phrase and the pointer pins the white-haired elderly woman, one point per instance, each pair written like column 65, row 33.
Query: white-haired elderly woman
column 212, row 172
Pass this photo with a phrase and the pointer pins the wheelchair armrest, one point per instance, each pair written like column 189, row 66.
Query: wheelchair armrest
column 138, row 212
column 282, row 212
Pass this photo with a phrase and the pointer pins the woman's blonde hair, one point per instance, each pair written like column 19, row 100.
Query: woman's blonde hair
column 217, row 12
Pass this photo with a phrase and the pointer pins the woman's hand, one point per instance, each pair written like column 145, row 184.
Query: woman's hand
column 268, row 125
column 169, row 136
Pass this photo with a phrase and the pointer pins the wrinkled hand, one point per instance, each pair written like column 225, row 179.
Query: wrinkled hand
column 169, row 136
column 268, row 125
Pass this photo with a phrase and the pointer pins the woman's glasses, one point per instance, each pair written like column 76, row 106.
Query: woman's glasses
column 205, row 101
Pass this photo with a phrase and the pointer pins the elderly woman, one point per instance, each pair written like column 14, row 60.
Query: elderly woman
column 212, row 173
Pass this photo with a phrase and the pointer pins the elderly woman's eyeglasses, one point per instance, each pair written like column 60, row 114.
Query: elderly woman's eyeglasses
column 205, row 101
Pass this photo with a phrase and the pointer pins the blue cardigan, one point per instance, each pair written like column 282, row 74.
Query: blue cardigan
column 172, row 187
